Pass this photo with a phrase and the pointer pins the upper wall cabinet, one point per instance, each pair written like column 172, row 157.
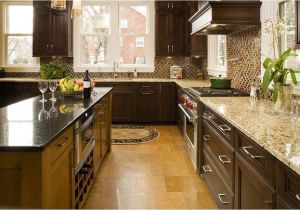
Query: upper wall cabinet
column 197, row 43
column 170, row 28
column 52, row 30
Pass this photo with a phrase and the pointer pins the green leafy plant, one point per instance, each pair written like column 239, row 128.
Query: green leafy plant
column 54, row 71
column 276, row 71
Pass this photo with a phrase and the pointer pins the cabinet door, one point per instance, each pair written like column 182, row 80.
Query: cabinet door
column 60, row 177
column 147, row 108
column 178, row 24
column 41, row 28
column 59, row 33
column 123, row 106
column 162, row 29
column 251, row 192
column 167, row 103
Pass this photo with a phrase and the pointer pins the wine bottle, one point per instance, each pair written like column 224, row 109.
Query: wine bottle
column 86, row 86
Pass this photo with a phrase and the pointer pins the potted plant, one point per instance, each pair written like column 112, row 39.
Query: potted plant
column 276, row 70
column 54, row 71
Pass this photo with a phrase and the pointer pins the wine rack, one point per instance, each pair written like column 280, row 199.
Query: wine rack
column 83, row 181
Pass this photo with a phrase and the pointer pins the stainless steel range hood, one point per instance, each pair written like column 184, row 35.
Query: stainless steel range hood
column 225, row 17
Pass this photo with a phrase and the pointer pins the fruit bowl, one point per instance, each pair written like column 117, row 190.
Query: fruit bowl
column 70, row 94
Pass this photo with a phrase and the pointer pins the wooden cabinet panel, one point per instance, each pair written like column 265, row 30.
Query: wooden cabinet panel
column 263, row 162
column 178, row 24
column 223, row 197
column 123, row 106
column 288, row 186
column 168, row 102
column 60, row 176
column 52, row 30
column 41, row 28
column 223, row 155
column 162, row 34
column 59, row 33
column 251, row 192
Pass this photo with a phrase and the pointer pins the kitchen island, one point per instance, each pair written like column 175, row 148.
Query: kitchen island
column 37, row 144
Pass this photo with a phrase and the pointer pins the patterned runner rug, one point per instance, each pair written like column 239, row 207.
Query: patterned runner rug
column 133, row 134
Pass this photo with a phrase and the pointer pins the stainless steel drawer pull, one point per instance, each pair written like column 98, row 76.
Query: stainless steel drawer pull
column 147, row 93
column 298, row 197
column 245, row 149
column 146, row 86
column 208, row 115
column 220, row 198
column 224, row 159
column 224, row 128
column 206, row 138
column 168, row 48
column 207, row 168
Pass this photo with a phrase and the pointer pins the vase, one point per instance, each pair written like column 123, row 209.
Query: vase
column 283, row 104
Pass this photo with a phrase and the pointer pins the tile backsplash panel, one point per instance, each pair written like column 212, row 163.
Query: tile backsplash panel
column 245, row 48
column 190, row 66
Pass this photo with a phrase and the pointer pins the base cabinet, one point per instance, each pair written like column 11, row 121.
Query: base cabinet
column 251, row 192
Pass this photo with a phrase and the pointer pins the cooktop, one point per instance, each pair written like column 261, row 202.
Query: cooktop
column 210, row 92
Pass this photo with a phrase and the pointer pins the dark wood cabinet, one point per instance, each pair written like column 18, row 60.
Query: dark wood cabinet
column 137, row 102
column 52, row 30
column 251, row 192
column 197, row 44
column 170, row 27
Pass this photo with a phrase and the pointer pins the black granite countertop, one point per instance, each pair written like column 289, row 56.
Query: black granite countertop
column 31, row 126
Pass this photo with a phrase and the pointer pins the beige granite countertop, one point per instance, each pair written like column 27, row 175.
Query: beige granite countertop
column 279, row 135
column 184, row 83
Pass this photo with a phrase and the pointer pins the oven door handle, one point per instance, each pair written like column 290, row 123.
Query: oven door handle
column 190, row 118
column 85, row 125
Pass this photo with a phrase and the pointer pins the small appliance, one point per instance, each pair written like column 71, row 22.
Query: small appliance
column 175, row 72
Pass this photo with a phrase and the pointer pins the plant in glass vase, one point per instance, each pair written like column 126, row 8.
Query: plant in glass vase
column 276, row 70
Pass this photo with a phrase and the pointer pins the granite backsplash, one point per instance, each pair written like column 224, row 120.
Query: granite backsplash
column 191, row 67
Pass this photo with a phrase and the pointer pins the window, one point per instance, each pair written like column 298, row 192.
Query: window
column 18, row 25
column 120, row 32
column 287, row 11
column 216, row 54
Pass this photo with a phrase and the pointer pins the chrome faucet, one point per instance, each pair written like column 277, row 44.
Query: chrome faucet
column 115, row 66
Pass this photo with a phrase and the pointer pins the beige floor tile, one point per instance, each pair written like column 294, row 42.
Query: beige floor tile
column 199, row 200
column 133, row 200
column 167, row 200
column 185, row 184
column 150, row 184
column 101, row 201
column 158, row 174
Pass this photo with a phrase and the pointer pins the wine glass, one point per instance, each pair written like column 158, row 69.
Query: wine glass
column 43, row 114
column 43, row 86
column 52, row 87
column 53, row 113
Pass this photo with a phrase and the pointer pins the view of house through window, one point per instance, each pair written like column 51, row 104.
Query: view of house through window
column 18, row 34
column 219, row 50
column 287, row 11
column 130, row 31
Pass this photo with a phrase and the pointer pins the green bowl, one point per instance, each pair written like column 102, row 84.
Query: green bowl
column 220, row 83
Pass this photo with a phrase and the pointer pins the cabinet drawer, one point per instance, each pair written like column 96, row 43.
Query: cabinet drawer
column 257, row 157
column 61, row 144
column 221, row 194
column 222, row 154
column 288, row 186
column 221, row 125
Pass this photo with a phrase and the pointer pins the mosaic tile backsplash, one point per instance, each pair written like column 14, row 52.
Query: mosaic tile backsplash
column 191, row 67
column 244, row 57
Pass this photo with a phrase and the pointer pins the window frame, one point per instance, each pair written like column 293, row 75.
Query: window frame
column 212, row 68
column 34, row 67
column 114, row 44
